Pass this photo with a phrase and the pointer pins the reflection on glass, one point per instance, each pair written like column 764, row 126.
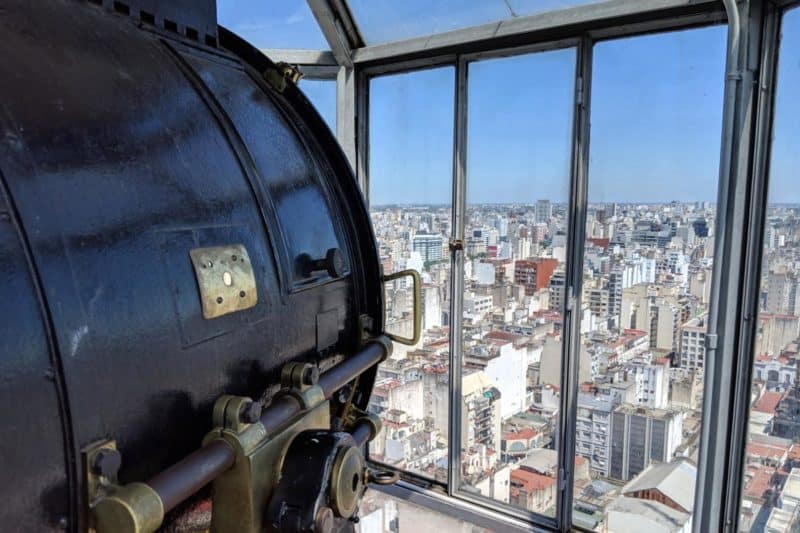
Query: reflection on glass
column 322, row 94
column 381, row 21
column 518, row 175
column 284, row 24
column 410, row 177
column 656, row 117
column 771, row 484
column 380, row 513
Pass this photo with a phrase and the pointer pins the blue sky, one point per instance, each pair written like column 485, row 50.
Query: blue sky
column 655, row 123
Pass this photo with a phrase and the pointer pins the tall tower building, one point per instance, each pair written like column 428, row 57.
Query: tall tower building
column 544, row 211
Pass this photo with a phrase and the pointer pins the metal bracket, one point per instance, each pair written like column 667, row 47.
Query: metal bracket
column 225, row 279
column 132, row 508
column 569, row 301
column 242, row 493
column 456, row 244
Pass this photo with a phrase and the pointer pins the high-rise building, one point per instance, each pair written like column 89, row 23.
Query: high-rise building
column 544, row 211
column 534, row 274
column 779, row 292
column 480, row 414
column 558, row 282
column 615, row 284
column 640, row 437
column 593, row 430
column 693, row 344
column 428, row 246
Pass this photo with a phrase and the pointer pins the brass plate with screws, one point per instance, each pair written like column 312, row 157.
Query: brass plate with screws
column 225, row 279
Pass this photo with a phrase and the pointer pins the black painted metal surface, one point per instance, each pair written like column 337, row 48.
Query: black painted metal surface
column 122, row 148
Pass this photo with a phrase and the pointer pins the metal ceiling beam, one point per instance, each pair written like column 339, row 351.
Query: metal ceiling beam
column 561, row 23
column 301, row 57
column 338, row 27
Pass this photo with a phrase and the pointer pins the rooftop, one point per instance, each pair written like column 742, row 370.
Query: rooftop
column 768, row 402
column 675, row 480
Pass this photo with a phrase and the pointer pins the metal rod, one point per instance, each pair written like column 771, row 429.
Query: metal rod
column 362, row 433
column 193, row 472
column 338, row 376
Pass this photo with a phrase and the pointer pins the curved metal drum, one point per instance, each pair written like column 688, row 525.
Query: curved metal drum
column 124, row 148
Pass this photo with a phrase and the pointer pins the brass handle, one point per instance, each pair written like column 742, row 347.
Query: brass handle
column 382, row 477
column 413, row 274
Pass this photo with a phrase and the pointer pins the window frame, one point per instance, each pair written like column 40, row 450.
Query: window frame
column 732, row 332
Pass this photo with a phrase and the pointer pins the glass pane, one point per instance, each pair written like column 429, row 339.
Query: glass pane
column 656, row 118
column 322, row 94
column 265, row 24
column 410, row 185
column 518, row 176
column 771, row 490
column 381, row 21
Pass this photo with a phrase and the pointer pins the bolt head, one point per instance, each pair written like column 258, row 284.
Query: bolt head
column 324, row 520
column 251, row 413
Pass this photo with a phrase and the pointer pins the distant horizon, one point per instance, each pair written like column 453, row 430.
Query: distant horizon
column 554, row 202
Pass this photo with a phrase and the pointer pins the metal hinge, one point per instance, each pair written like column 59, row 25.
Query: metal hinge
column 711, row 341
column 562, row 479
column 579, row 92
column 456, row 244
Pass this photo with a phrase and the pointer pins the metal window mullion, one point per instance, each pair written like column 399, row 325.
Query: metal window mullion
column 361, row 131
column 724, row 374
column 457, row 276
column 346, row 123
column 576, row 231
column 758, row 206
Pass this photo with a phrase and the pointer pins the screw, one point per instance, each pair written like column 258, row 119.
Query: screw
column 250, row 413
column 219, row 299
column 106, row 462
column 63, row 523
column 234, row 258
column 241, row 294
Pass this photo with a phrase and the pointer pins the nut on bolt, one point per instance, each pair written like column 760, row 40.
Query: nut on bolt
column 310, row 375
column 250, row 413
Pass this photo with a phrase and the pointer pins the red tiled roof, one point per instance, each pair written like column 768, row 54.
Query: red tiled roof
column 765, row 450
column 759, row 483
column 526, row 433
column 531, row 481
column 503, row 335
column 768, row 402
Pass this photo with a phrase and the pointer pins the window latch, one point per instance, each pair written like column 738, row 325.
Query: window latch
column 711, row 341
